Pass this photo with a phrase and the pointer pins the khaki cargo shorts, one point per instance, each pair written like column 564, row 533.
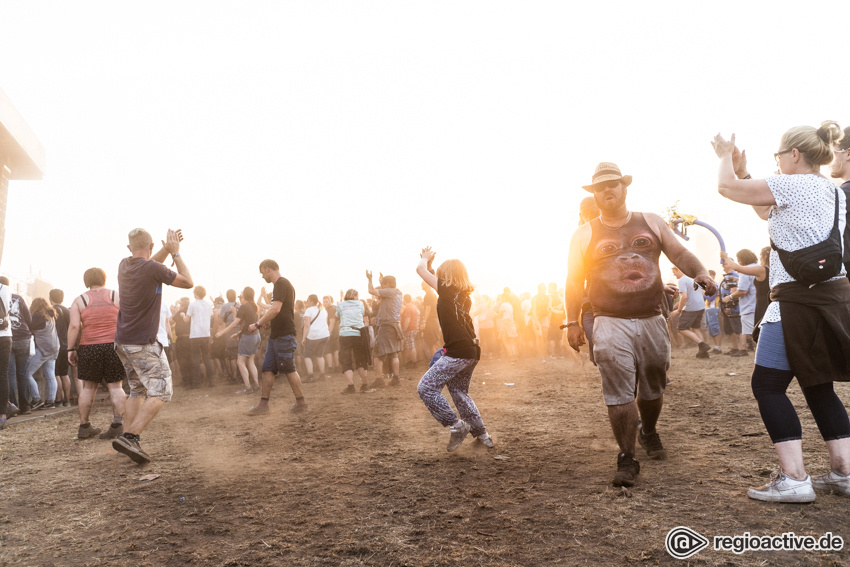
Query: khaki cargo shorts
column 633, row 356
column 147, row 370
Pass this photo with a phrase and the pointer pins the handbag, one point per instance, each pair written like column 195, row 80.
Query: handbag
column 817, row 263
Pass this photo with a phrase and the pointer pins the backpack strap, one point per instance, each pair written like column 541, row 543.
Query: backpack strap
column 83, row 298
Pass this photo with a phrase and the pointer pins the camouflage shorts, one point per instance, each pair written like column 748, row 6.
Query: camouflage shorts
column 147, row 370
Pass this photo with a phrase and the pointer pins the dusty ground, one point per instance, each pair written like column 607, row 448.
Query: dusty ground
column 366, row 479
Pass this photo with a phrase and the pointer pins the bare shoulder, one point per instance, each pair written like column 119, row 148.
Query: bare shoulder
column 582, row 234
column 580, row 241
column 657, row 224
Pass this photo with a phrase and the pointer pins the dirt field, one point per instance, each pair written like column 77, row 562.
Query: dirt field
column 366, row 480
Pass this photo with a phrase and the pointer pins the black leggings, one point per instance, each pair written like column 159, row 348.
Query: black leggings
column 778, row 414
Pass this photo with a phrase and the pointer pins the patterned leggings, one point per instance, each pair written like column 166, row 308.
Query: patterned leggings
column 455, row 373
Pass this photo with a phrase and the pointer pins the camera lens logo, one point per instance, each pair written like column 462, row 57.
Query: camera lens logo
column 682, row 542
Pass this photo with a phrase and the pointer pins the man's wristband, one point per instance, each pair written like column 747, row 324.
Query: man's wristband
column 572, row 324
column 747, row 177
column 175, row 255
column 70, row 350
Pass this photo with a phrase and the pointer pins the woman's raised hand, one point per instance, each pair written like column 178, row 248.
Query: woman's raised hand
column 722, row 147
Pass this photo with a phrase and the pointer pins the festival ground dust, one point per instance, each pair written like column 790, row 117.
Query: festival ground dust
column 366, row 480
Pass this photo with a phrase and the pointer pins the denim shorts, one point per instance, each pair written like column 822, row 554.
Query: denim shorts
column 248, row 344
column 770, row 350
column 712, row 321
column 279, row 355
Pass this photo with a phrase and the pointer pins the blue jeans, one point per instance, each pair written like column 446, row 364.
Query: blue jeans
column 18, row 374
column 48, row 363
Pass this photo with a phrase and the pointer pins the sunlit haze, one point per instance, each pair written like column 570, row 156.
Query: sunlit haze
column 336, row 137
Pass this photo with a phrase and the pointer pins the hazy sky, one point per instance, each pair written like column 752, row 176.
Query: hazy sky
column 340, row 136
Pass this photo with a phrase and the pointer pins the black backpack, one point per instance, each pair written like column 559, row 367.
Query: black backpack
column 817, row 263
column 4, row 315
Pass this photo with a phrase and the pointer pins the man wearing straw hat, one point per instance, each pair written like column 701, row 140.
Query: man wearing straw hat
column 617, row 254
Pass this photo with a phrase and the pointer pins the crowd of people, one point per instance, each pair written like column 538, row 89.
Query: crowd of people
column 790, row 305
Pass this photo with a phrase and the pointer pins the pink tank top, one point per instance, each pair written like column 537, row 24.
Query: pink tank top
column 98, row 317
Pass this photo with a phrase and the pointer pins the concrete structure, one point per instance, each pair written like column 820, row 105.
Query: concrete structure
column 21, row 156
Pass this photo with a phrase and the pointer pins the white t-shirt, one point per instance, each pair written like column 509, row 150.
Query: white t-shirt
column 526, row 310
column 804, row 215
column 506, row 310
column 6, row 298
column 695, row 297
column 162, row 334
column 747, row 302
column 201, row 313
column 319, row 327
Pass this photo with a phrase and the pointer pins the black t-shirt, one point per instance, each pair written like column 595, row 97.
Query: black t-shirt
column 283, row 323
column 181, row 325
column 458, row 333
column 63, row 319
column 247, row 316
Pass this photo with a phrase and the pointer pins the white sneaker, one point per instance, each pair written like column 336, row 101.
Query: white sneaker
column 459, row 433
column 485, row 440
column 833, row 482
column 783, row 488
column 717, row 350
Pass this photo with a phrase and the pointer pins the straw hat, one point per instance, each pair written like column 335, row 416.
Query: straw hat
column 607, row 171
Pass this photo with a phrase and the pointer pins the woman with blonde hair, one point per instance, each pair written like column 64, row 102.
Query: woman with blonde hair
column 805, row 332
column 462, row 353
column 353, row 343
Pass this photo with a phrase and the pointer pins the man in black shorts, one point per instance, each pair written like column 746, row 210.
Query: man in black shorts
column 280, row 351
column 617, row 254
column 691, row 312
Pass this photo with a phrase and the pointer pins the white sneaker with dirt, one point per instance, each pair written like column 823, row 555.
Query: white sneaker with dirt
column 783, row 488
column 459, row 433
column 833, row 482
column 485, row 440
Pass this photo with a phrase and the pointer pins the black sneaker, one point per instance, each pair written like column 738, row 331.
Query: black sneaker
column 37, row 405
column 349, row 389
column 652, row 445
column 395, row 381
column 703, row 355
column 740, row 353
column 731, row 352
column 131, row 448
column 627, row 470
